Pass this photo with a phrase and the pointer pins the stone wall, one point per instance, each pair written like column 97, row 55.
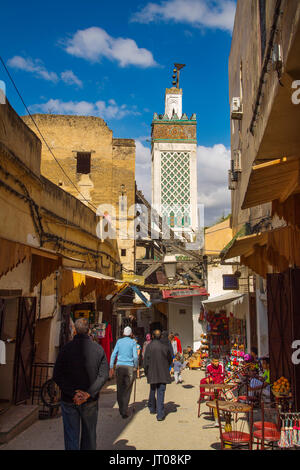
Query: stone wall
column 112, row 165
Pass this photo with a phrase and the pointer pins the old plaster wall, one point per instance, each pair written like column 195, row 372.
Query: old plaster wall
column 245, row 71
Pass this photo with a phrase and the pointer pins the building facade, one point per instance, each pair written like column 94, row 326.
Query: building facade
column 102, row 168
column 174, row 166
column 50, row 260
column 264, row 71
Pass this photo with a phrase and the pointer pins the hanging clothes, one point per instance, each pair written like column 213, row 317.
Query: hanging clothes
column 106, row 341
column 2, row 352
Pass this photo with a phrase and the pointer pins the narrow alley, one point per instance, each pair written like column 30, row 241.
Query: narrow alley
column 141, row 431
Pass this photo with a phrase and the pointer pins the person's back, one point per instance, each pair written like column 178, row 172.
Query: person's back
column 125, row 350
column 79, row 363
column 157, row 362
column 80, row 371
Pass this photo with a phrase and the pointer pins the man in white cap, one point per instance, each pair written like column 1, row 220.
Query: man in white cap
column 127, row 360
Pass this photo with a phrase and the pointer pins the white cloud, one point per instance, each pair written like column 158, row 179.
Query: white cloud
column 143, row 168
column 84, row 108
column 94, row 43
column 199, row 13
column 213, row 166
column 70, row 78
column 36, row 67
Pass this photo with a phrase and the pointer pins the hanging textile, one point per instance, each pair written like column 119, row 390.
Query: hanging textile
column 11, row 255
column 106, row 342
column 289, row 210
column 42, row 267
column 78, row 279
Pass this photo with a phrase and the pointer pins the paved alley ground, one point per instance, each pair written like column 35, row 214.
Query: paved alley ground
column 181, row 430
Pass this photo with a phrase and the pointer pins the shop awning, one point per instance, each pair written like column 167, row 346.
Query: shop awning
column 11, row 255
column 88, row 281
column 245, row 246
column 279, row 248
column 274, row 180
column 221, row 300
column 93, row 274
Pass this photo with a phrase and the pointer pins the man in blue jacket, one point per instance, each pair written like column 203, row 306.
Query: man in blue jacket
column 80, row 371
column 127, row 360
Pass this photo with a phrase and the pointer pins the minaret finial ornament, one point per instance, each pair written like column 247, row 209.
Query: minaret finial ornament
column 176, row 73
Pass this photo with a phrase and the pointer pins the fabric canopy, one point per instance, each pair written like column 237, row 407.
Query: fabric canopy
column 88, row 281
column 221, row 300
column 11, row 255
column 279, row 248
column 275, row 180
column 244, row 245
column 42, row 266
column 94, row 274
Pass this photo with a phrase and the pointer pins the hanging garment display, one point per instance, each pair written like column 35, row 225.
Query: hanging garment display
column 106, row 341
column 290, row 430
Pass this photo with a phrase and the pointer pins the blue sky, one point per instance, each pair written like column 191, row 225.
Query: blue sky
column 115, row 59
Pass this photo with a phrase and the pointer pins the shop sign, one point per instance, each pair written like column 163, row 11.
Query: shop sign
column 179, row 293
column 230, row 282
column 88, row 314
column 183, row 258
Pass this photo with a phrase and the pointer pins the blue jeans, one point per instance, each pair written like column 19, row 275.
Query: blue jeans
column 156, row 404
column 83, row 416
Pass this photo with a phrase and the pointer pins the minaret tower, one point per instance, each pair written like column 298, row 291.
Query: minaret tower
column 174, row 163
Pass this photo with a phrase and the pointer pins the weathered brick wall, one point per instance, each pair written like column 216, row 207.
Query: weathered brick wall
column 174, row 131
column 112, row 161
column 26, row 146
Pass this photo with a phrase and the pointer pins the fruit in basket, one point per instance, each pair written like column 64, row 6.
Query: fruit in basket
column 282, row 386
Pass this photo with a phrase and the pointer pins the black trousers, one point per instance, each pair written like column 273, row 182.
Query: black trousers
column 125, row 379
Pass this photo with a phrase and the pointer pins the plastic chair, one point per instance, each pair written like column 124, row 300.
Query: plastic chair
column 236, row 426
column 267, row 433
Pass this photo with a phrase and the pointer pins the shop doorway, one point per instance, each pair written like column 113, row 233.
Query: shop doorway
column 24, row 349
column 17, row 321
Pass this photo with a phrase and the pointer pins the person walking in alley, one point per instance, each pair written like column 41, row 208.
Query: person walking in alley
column 148, row 341
column 80, row 371
column 127, row 361
column 157, row 361
column 179, row 347
column 179, row 365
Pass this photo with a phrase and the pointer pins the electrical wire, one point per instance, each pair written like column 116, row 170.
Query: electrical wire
column 40, row 133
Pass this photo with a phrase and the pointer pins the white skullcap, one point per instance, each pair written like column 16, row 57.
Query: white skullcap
column 127, row 331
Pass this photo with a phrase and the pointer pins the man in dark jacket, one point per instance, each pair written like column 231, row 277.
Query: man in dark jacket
column 157, row 361
column 80, row 371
